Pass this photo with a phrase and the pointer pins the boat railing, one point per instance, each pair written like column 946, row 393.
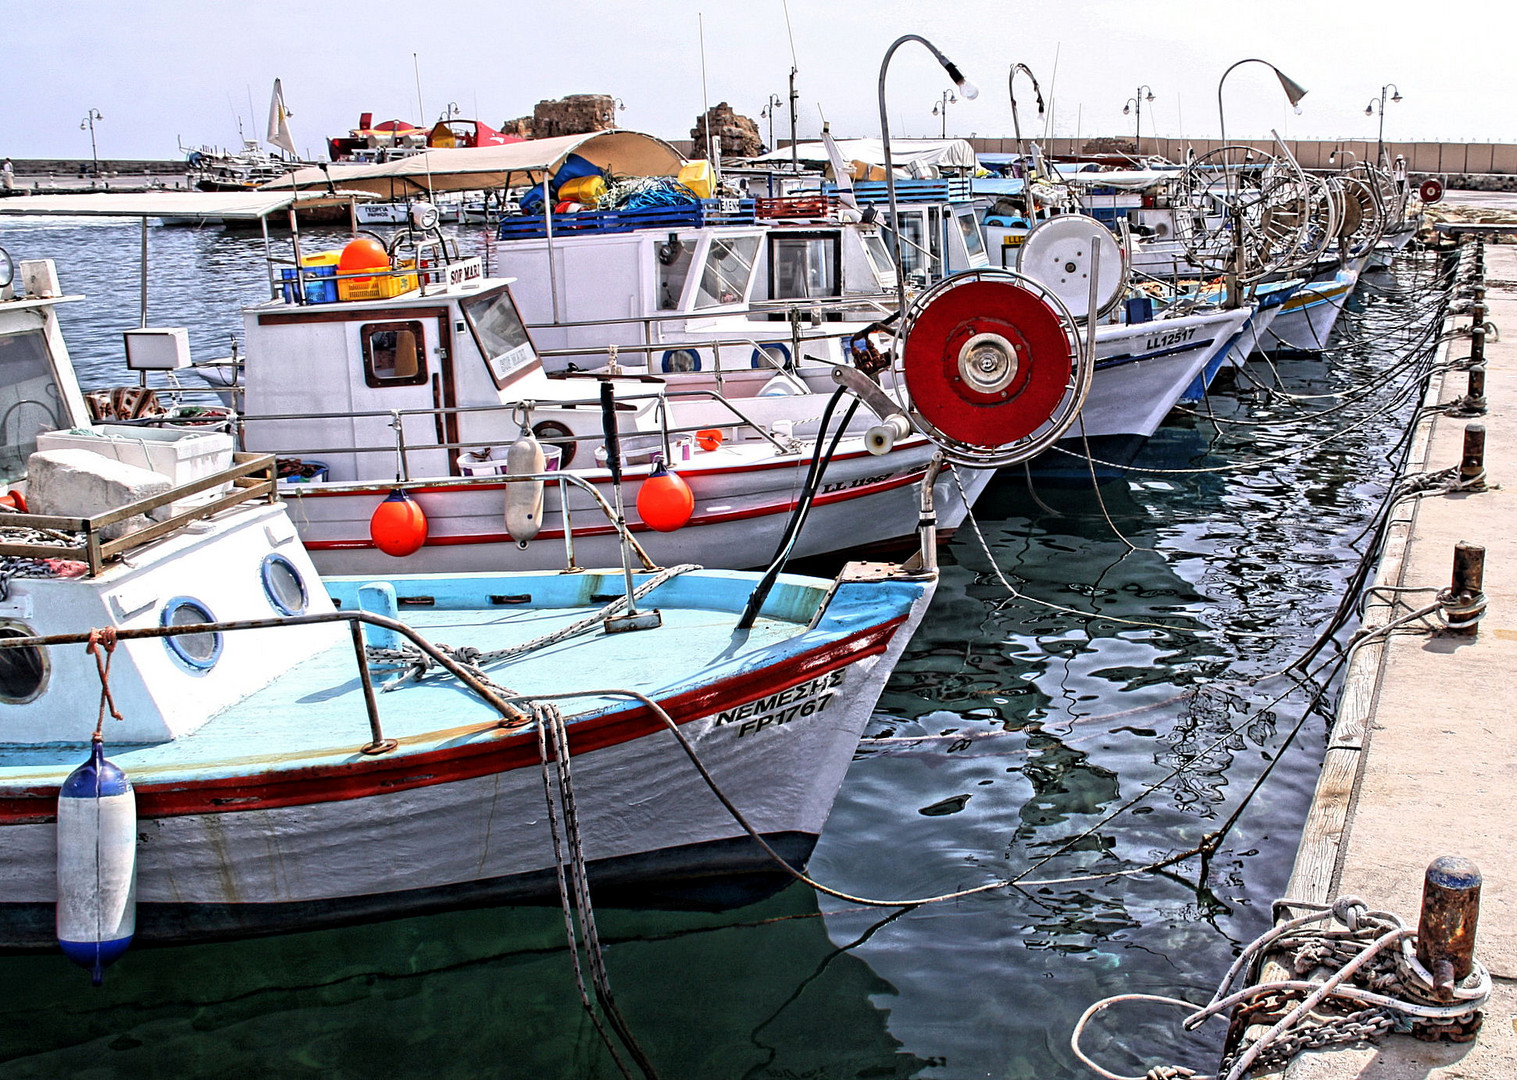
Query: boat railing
column 252, row 476
column 510, row 717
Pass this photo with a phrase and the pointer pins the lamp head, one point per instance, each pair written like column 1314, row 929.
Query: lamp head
column 1150, row 96
column 967, row 88
column 1126, row 109
column 1293, row 90
column 1369, row 110
column 1396, row 96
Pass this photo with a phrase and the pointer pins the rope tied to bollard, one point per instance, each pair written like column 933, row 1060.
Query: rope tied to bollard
column 1363, row 980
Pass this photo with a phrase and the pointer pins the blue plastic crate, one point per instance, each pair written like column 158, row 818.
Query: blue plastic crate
column 320, row 282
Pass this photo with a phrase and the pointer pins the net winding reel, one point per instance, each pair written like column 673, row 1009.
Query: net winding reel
column 994, row 365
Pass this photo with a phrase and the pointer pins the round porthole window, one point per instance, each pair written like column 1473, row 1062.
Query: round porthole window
column 23, row 670
column 680, row 361
column 284, row 586
column 772, row 355
column 199, row 651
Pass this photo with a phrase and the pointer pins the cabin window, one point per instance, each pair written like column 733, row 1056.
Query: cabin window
column 199, row 652
column 23, row 670
column 29, row 399
column 803, row 267
column 498, row 331
column 974, row 243
column 878, row 252
column 914, row 254
column 729, row 269
column 284, row 586
column 674, row 256
column 394, row 354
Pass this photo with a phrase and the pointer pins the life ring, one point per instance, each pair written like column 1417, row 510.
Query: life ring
column 1431, row 191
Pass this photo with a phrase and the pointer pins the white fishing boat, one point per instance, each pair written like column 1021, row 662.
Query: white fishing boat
column 1306, row 320
column 244, row 777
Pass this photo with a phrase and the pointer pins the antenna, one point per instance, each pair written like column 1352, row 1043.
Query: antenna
column 795, row 165
column 421, row 116
column 252, row 115
column 1053, row 97
column 700, row 23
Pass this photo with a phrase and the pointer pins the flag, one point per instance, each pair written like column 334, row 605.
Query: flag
column 279, row 128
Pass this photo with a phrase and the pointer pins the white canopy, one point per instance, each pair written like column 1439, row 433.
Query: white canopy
column 629, row 153
column 197, row 205
column 944, row 153
column 1126, row 179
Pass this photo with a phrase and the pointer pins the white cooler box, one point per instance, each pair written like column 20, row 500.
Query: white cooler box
column 181, row 454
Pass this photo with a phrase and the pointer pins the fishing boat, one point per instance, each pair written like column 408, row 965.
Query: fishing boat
column 1307, row 318
column 288, row 751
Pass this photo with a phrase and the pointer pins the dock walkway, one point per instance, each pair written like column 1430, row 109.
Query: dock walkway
column 1422, row 761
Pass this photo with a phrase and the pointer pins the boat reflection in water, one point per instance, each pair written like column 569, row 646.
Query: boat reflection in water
column 468, row 994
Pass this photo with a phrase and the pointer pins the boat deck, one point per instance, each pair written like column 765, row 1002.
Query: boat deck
column 314, row 715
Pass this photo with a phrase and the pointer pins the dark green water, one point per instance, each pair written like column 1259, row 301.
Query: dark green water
column 1009, row 732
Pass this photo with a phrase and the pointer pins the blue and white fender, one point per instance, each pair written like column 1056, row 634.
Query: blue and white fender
column 97, row 863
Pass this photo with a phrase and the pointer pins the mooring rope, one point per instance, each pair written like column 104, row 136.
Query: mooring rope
column 1366, row 981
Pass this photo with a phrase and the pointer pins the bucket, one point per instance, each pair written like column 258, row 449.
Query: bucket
column 485, row 463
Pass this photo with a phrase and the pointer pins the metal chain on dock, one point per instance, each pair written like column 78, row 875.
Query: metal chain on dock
column 1358, row 979
column 413, row 663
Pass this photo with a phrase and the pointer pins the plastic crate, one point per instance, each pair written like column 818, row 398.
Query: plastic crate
column 320, row 273
column 379, row 286
column 181, row 454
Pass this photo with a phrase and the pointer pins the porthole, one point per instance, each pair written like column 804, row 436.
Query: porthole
column 199, row 651
column 23, row 670
column 284, row 586
column 552, row 433
column 681, row 361
column 772, row 355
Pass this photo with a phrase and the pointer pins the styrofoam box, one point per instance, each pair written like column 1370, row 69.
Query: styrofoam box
column 157, row 348
column 181, row 454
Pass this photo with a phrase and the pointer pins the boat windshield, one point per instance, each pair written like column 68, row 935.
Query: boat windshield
column 499, row 333
column 30, row 401
column 802, row 267
column 973, row 241
column 729, row 269
column 879, row 255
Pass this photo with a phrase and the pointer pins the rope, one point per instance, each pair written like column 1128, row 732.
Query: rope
column 414, row 663
column 1369, row 981
column 102, row 646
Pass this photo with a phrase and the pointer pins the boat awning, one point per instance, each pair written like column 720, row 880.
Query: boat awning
column 195, row 205
column 1126, row 179
column 626, row 153
column 944, row 153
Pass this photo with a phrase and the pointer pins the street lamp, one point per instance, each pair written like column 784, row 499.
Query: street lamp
column 966, row 88
column 89, row 122
column 941, row 109
column 1371, row 109
column 1011, row 80
column 1294, row 91
column 1135, row 104
column 774, row 102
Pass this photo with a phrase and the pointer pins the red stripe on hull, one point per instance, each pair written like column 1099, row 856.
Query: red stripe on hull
column 492, row 753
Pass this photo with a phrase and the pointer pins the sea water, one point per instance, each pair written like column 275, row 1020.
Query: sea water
column 1015, row 738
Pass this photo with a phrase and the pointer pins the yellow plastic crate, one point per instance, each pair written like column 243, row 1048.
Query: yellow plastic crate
column 381, row 286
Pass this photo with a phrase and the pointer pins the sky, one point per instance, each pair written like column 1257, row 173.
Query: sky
column 166, row 72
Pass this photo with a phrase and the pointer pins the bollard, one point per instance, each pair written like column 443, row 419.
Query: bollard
column 1472, row 465
column 1477, row 311
column 1477, row 343
column 1464, row 602
column 1473, row 403
column 1446, row 928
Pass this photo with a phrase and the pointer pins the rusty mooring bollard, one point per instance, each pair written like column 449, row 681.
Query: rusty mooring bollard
column 1446, row 928
column 1464, row 602
column 1473, row 403
column 1472, row 465
column 1477, row 343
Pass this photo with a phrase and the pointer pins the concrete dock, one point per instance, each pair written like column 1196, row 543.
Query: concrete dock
column 1422, row 761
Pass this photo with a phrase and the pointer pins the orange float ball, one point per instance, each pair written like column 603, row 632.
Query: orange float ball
column 360, row 254
column 665, row 501
column 398, row 527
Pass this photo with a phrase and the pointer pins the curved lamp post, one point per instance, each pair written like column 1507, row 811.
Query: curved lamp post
column 1136, row 103
column 1294, row 91
column 1011, row 90
column 89, row 122
column 941, row 109
column 1371, row 109
column 774, row 102
column 966, row 88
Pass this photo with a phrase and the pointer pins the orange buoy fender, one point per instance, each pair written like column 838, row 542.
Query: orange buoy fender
column 665, row 501
column 358, row 255
column 524, row 498
column 398, row 526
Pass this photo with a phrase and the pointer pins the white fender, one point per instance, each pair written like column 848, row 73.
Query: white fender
column 524, row 498
column 97, row 863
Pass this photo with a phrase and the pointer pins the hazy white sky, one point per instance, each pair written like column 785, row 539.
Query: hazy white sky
column 164, row 70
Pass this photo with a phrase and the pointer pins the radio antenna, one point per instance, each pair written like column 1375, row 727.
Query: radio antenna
column 795, row 165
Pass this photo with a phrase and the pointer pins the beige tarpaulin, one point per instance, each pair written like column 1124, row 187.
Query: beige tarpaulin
column 627, row 153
